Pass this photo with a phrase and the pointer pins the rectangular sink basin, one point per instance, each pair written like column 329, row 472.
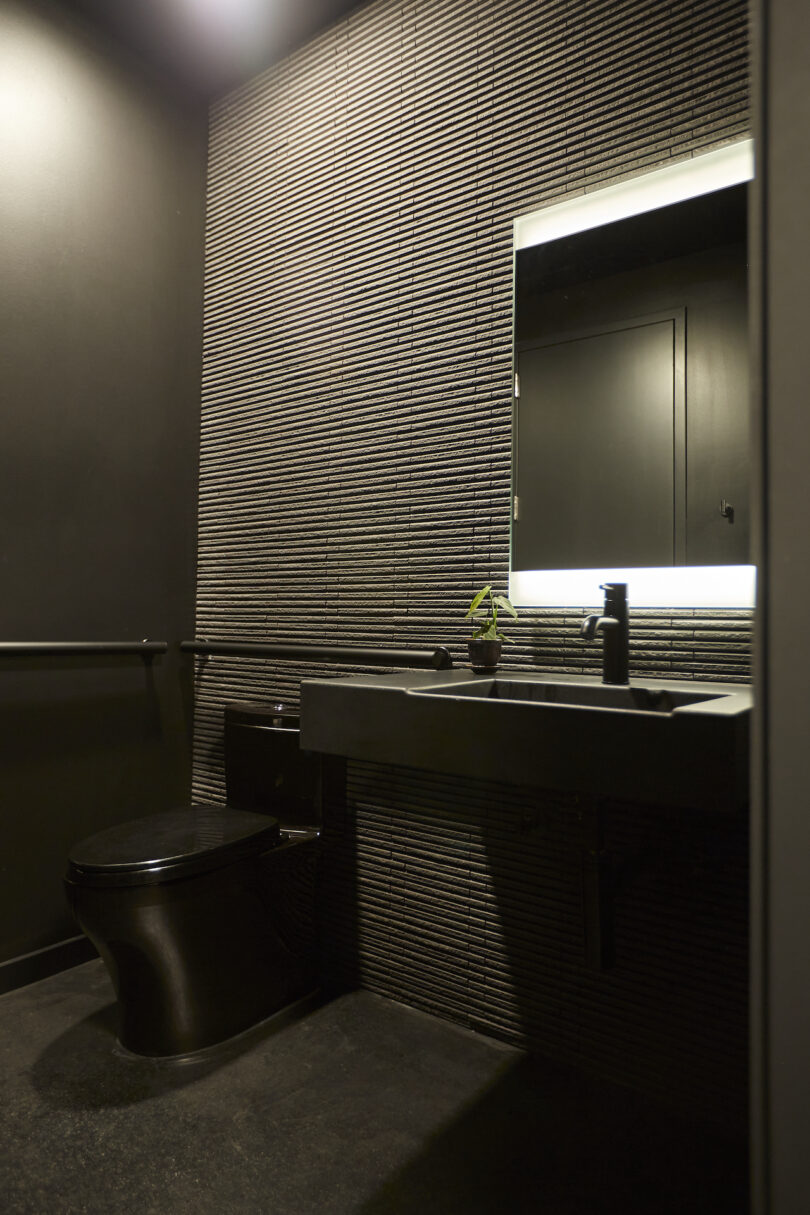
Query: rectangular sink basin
column 654, row 742
column 647, row 700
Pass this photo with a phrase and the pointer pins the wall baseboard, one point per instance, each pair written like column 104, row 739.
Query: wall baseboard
column 42, row 963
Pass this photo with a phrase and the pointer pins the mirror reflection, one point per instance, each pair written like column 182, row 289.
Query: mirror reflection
column 631, row 410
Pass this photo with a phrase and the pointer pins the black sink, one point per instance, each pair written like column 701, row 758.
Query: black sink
column 655, row 742
column 604, row 696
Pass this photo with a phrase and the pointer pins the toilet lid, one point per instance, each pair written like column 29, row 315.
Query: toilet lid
column 174, row 844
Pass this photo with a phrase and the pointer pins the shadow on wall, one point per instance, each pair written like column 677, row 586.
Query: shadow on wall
column 667, row 1011
column 465, row 899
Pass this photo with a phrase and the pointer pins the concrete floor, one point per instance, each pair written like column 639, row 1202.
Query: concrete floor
column 357, row 1107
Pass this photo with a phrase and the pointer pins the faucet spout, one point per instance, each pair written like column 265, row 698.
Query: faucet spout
column 613, row 625
column 588, row 627
column 592, row 625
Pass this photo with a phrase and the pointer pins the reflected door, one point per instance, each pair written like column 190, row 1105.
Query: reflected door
column 599, row 466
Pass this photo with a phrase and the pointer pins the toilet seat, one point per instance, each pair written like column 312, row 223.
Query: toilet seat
column 171, row 845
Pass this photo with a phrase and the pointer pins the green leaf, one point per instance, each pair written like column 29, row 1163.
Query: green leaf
column 476, row 601
column 503, row 602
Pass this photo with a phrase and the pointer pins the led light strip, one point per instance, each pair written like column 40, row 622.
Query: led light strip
column 676, row 183
column 710, row 586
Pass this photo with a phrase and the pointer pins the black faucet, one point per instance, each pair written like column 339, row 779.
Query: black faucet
column 615, row 634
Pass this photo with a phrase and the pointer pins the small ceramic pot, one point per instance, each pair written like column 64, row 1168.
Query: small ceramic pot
column 484, row 655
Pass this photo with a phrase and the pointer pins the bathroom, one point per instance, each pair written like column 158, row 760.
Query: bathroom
column 331, row 278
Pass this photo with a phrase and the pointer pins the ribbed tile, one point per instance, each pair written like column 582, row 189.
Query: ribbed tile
column 355, row 487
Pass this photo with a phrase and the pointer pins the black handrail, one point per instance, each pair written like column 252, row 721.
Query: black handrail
column 52, row 649
column 438, row 658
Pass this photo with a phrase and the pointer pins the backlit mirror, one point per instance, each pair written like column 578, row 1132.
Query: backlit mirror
column 631, row 418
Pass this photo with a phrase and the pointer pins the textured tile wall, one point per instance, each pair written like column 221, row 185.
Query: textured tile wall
column 356, row 417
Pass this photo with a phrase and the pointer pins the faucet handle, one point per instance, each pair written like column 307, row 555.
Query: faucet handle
column 615, row 598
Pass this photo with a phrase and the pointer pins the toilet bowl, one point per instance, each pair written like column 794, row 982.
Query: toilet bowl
column 206, row 916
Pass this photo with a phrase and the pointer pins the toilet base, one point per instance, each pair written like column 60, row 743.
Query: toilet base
column 231, row 1046
column 197, row 961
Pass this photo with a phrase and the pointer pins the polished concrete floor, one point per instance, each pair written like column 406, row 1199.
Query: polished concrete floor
column 356, row 1107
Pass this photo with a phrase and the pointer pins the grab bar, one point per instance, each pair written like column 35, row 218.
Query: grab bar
column 438, row 658
column 36, row 649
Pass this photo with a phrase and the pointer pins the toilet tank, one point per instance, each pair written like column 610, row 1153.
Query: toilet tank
column 265, row 769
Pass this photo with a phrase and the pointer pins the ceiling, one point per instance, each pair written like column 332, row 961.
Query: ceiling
column 209, row 46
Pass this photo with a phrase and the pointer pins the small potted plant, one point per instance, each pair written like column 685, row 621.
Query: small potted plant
column 485, row 644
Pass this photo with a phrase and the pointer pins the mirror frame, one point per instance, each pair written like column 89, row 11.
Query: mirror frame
column 672, row 586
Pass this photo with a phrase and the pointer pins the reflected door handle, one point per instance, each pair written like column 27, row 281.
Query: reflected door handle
column 726, row 510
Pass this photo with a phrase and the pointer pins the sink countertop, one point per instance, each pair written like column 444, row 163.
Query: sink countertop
column 694, row 756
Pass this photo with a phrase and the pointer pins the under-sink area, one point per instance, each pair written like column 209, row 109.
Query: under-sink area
column 649, row 745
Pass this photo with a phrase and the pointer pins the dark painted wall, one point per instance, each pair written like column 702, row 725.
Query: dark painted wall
column 101, row 211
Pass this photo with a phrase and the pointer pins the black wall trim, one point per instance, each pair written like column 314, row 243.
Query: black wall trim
column 19, row 972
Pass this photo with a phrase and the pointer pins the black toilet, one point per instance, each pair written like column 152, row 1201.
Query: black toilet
column 205, row 916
